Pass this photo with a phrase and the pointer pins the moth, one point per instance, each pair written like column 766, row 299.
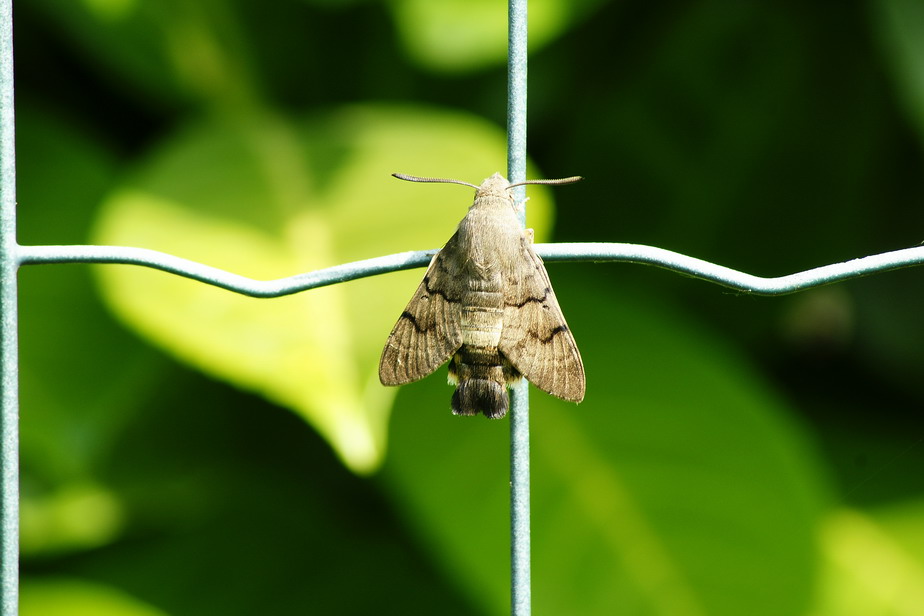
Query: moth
column 486, row 305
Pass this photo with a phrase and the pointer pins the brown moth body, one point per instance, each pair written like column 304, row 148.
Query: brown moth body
column 486, row 303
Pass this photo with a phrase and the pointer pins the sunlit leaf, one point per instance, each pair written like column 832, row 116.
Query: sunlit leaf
column 874, row 563
column 273, row 199
column 71, row 597
column 76, row 517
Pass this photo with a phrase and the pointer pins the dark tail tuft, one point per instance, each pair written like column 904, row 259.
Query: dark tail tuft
column 480, row 395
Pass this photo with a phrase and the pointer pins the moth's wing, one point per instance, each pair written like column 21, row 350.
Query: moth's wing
column 536, row 338
column 428, row 331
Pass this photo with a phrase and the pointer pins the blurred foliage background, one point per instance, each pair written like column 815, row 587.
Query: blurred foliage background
column 188, row 451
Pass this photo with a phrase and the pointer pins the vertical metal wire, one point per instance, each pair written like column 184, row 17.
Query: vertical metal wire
column 9, row 413
column 516, row 95
column 520, row 588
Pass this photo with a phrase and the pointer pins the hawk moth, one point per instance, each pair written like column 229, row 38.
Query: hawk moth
column 486, row 305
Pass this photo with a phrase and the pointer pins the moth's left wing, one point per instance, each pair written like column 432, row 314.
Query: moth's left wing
column 536, row 338
column 428, row 332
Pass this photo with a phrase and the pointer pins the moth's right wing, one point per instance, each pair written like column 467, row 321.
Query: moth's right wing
column 428, row 331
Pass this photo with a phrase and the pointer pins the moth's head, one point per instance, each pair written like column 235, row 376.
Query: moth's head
column 494, row 186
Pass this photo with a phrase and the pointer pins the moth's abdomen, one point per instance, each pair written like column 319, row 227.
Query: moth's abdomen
column 480, row 395
column 482, row 325
column 477, row 367
column 482, row 375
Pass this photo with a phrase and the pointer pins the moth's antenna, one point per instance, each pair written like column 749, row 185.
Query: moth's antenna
column 414, row 178
column 558, row 182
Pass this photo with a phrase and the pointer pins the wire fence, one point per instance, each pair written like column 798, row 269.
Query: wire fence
column 15, row 255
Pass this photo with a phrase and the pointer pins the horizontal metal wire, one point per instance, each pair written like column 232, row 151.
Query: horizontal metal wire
column 597, row 252
column 29, row 255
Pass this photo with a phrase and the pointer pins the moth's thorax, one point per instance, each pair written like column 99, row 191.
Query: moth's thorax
column 490, row 236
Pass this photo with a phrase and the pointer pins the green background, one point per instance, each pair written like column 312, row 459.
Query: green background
column 189, row 451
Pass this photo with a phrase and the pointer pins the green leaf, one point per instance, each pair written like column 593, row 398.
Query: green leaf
column 901, row 31
column 466, row 35
column 74, row 517
column 275, row 198
column 874, row 563
column 171, row 51
column 69, row 597
column 680, row 486
column 73, row 410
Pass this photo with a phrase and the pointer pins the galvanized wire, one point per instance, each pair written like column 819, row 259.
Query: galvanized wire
column 551, row 253
column 28, row 255
column 9, row 381
column 520, row 565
